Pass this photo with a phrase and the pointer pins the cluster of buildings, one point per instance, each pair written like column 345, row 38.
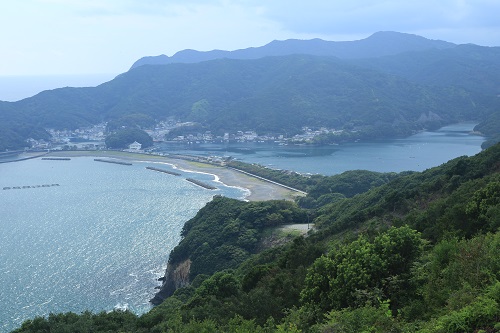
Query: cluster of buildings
column 162, row 128
column 90, row 138
column 307, row 136
column 93, row 133
column 207, row 137
column 87, row 138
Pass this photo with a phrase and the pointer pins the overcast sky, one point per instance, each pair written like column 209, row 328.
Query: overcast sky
column 41, row 37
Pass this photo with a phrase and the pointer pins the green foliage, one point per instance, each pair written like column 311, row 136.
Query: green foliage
column 364, row 271
column 134, row 120
column 321, row 189
column 485, row 205
column 482, row 313
column 115, row 321
column 270, row 95
column 13, row 135
column 433, row 202
column 226, row 232
column 272, row 288
column 379, row 274
column 285, row 177
column 457, row 271
column 200, row 111
column 121, row 139
column 469, row 66
column 490, row 127
column 493, row 140
column 350, row 183
column 369, row 318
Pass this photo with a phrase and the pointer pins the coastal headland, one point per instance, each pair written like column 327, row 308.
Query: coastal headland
column 259, row 189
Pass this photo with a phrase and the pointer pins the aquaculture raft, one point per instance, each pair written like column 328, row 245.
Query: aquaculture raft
column 28, row 186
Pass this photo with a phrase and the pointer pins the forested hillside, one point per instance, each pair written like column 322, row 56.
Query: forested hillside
column 469, row 66
column 269, row 95
column 419, row 253
column 491, row 128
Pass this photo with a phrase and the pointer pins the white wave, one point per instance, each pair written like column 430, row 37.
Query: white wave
column 121, row 307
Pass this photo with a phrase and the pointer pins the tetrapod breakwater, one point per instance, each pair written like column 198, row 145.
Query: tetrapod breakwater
column 56, row 158
column 111, row 161
column 200, row 183
column 164, row 171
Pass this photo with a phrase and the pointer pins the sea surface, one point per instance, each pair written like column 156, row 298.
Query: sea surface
column 14, row 88
column 95, row 237
column 415, row 153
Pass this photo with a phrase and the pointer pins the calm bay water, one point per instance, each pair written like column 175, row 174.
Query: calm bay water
column 101, row 238
column 97, row 241
column 415, row 153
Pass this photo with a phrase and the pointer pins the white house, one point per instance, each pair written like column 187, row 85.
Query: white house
column 135, row 146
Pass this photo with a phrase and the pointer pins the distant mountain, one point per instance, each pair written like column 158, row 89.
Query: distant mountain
column 269, row 95
column 473, row 67
column 379, row 44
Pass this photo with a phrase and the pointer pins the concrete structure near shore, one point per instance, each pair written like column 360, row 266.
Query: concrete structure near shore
column 135, row 146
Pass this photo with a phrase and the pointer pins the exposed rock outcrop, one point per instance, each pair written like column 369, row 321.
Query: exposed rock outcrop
column 176, row 276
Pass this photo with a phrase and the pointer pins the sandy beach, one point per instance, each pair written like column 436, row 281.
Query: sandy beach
column 259, row 190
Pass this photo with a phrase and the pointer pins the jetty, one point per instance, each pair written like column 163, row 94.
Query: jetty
column 56, row 158
column 111, row 161
column 164, row 171
column 200, row 183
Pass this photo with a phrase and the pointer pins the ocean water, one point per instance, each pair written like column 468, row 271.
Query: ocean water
column 100, row 238
column 14, row 88
column 96, row 237
column 415, row 153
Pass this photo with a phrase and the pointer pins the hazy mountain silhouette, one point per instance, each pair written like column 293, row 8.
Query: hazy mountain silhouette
column 379, row 44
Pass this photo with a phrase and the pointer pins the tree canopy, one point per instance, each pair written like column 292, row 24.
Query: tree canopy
column 419, row 253
column 121, row 139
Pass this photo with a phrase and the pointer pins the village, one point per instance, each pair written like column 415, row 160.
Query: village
column 93, row 137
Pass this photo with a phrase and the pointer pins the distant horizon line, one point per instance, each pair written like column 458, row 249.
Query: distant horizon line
column 54, row 75
column 14, row 88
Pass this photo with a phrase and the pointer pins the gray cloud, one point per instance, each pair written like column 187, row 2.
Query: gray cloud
column 103, row 36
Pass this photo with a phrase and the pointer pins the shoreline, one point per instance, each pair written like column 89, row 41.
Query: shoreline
column 257, row 189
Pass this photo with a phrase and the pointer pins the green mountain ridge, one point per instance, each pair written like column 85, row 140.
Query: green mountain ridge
column 379, row 44
column 469, row 66
column 408, row 252
column 269, row 95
